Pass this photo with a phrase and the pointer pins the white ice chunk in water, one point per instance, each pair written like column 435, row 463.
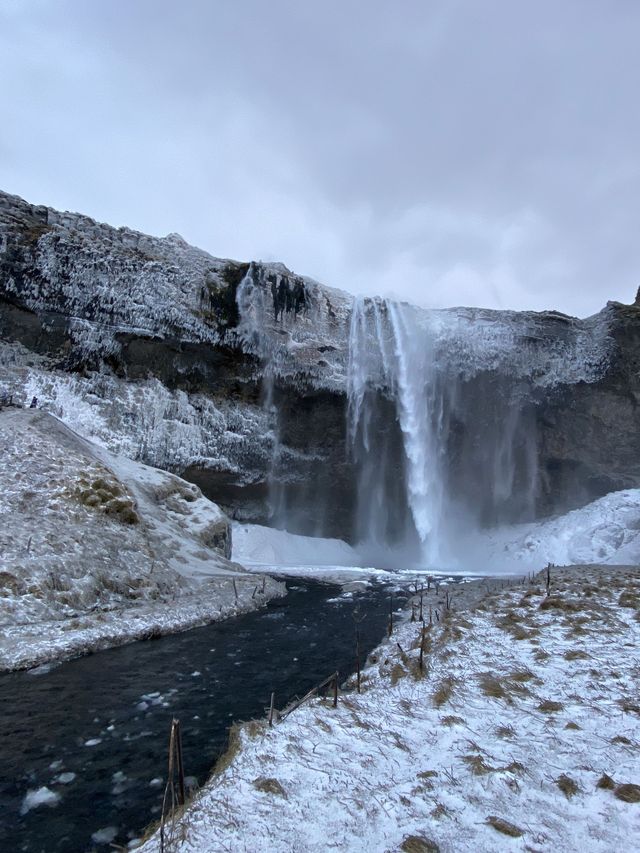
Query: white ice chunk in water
column 40, row 797
column 105, row 835
column 94, row 741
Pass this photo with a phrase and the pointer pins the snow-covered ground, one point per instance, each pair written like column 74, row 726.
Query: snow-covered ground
column 97, row 550
column 522, row 733
column 281, row 552
column 605, row 531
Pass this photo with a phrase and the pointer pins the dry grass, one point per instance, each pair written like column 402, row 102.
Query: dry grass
column 576, row 654
column 452, row 720
column 444, row 691
column 629, row 599
column 621, row 739
column 269, row 786
column 629, row 707
column 418, row 844
column 492, row 686
column 567, row 785
column 505, row 731
column 478, row 765
column 504, row 826
column 628, row 793
column 606, row 783
column 572, row 725
column 397, row 672
column 566, row 605
column 427, row 774
column 550, row 707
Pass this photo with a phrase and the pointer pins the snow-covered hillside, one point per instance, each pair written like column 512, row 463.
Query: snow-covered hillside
column 96, row 549
column 606, row 531
column 520, row 733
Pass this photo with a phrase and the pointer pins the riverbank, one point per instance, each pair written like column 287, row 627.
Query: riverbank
column 97, row 550
column 522, row 731
column 31, row 645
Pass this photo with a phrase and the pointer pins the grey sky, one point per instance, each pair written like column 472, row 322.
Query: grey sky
column 482, row 152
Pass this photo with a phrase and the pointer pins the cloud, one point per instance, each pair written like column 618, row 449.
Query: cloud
column 446, row 152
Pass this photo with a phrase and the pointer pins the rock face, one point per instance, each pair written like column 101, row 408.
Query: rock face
column 239, row 376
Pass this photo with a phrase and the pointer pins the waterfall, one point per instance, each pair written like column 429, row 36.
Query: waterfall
column 460, row 451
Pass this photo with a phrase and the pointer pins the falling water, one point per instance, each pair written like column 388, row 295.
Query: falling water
column 467, row 438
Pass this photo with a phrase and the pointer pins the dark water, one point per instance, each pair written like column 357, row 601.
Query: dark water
column 125, row 699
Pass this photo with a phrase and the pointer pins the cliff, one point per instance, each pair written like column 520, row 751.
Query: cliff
column 239, row 376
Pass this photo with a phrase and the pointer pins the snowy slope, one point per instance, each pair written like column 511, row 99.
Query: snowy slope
column 256, row 545
column 87, row 535
column 605, row 531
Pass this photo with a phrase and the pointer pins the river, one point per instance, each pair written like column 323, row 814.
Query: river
column 94, row 730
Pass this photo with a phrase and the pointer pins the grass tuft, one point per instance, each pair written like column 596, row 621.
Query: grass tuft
column 550, row 707
column 269, row 786
column 606, row 783
column 567, row 785
column 628, row 793
column 504, row 826
column 418, row 844
column 444, row 691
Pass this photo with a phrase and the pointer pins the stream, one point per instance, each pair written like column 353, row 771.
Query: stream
column 94, row 731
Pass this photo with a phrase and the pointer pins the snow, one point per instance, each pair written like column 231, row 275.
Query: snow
column 604, row 531
column 515, row 696
column 256, row 545
column 96, row 549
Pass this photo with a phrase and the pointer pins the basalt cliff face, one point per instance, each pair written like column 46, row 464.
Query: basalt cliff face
column 268, row 389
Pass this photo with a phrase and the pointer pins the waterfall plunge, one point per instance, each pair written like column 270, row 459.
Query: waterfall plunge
column 467, row 455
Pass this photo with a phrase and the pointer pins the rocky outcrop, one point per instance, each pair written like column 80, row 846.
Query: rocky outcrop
column 235, row 375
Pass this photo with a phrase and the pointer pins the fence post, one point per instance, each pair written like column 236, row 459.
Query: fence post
column 273, row 699
column 335, row 690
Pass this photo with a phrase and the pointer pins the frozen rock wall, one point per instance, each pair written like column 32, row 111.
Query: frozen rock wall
column 239, row 375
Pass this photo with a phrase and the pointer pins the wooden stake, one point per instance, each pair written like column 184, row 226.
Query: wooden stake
column 421, row 597
column 235, row 589
column 358, row 656
column 422, row 646
column 390, row 627
column 271, row 707
column 179, row 762
column 335, row 690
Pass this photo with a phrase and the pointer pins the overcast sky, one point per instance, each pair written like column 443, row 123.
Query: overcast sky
column 479, row 152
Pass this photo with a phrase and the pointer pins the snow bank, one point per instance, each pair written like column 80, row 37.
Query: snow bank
column 255, row 545
column 511, row 727
column 605, row 531
column 97, row 550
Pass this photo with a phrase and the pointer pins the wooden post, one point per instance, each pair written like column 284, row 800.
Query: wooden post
column 273, row 699
column 413, row 612
column 430, row 616
column 421, row 597
column 358, row 656
column 548, row 578
column 235, row 589
column 422, row 646
column 437, row 616
column 390, row 627
column 335, row 690
column 179, row 762
column 253, row 594
column 264, row 582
